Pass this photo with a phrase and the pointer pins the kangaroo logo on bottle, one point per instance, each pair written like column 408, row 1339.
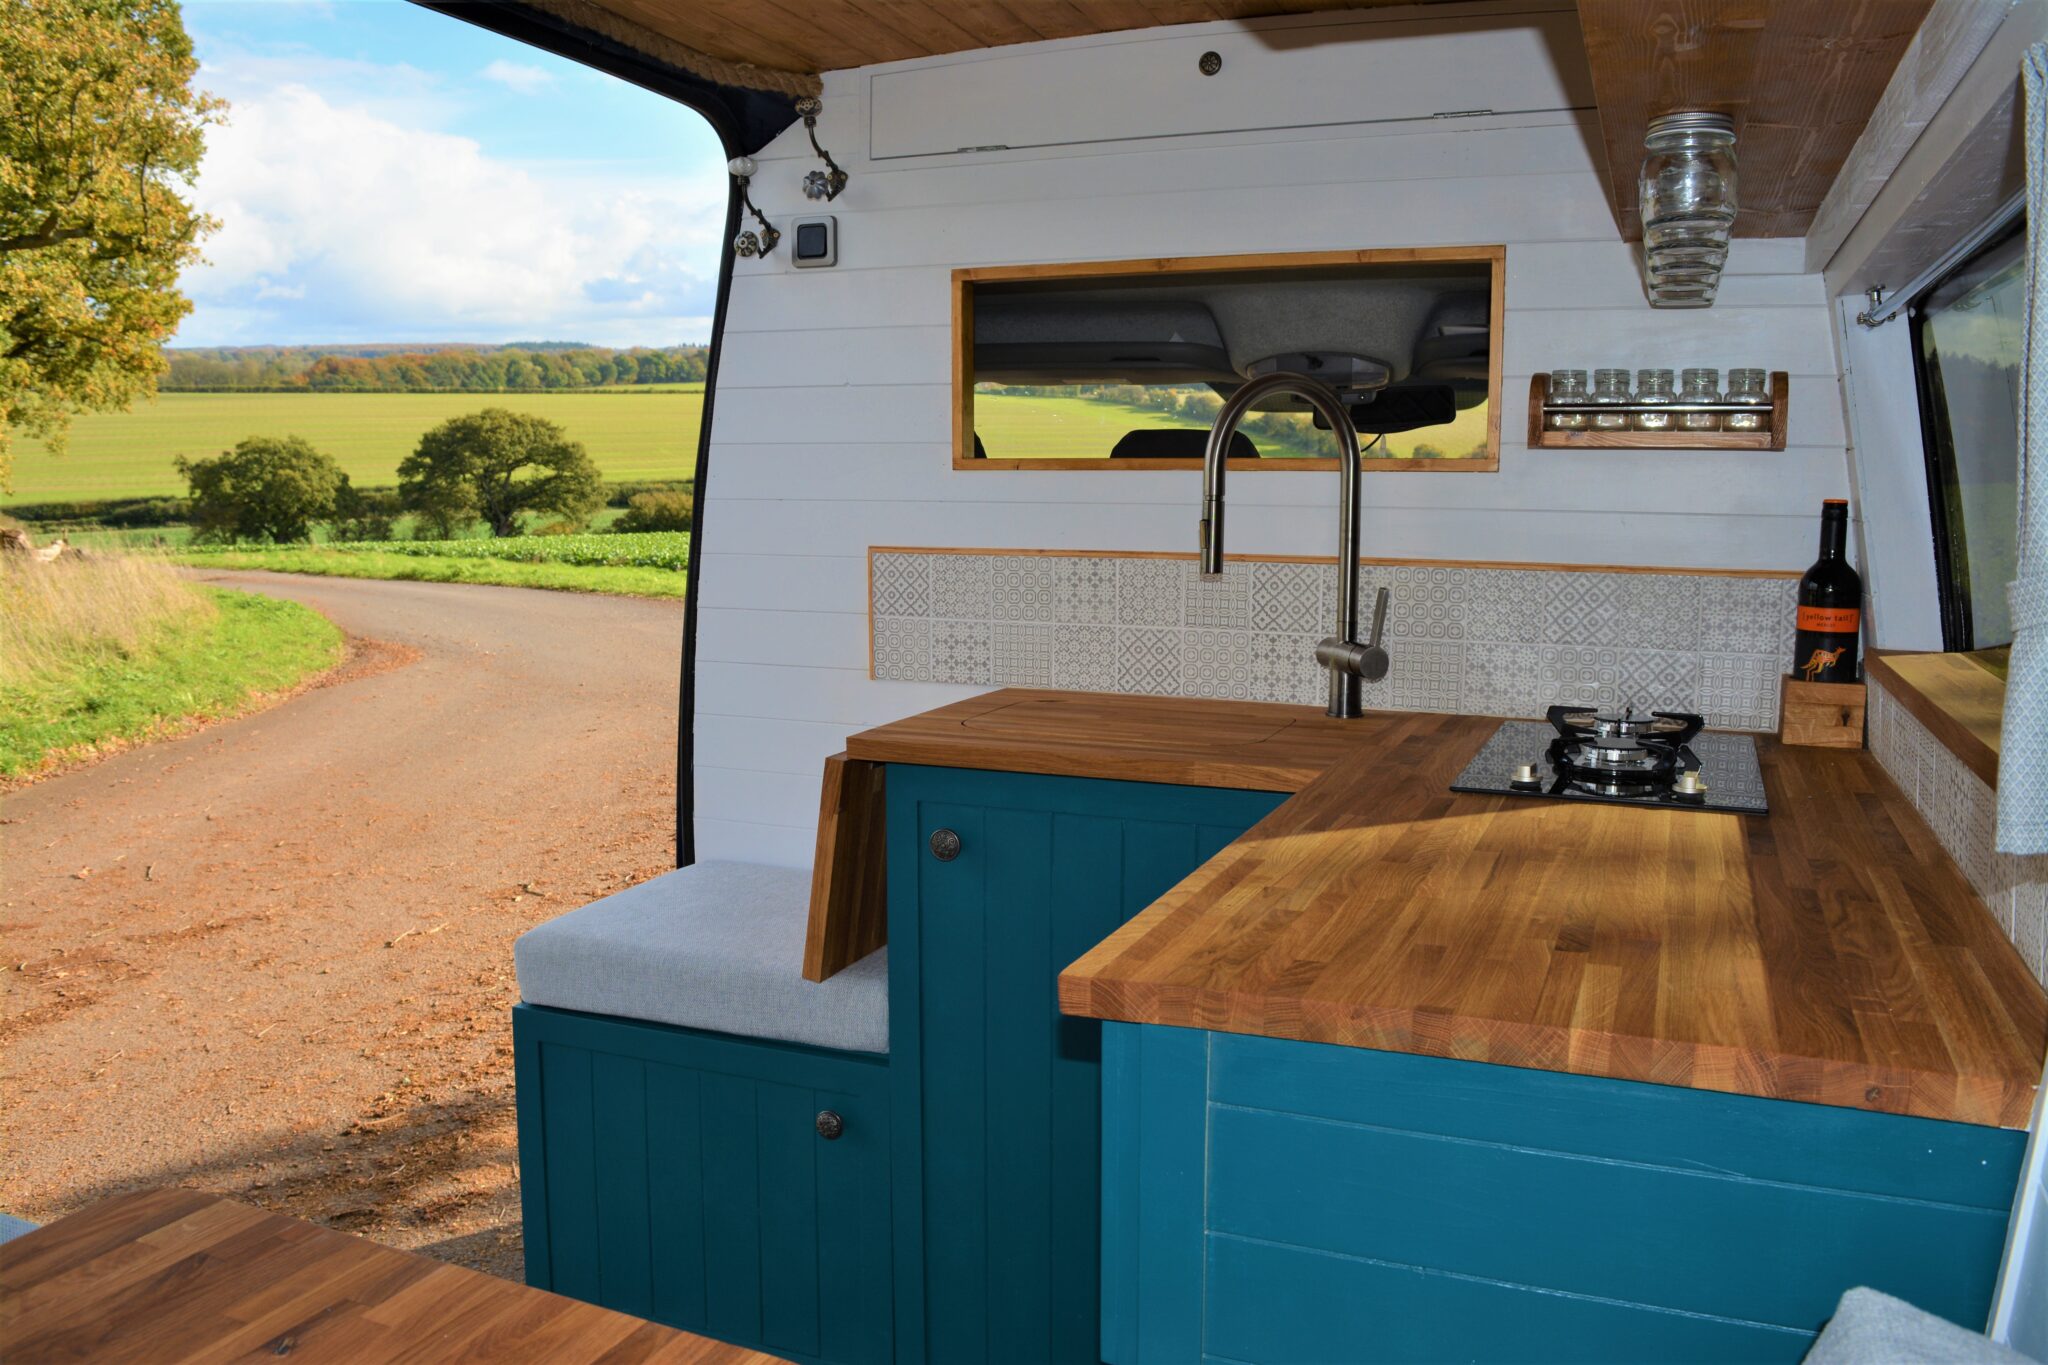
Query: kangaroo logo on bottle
column 1821, row 661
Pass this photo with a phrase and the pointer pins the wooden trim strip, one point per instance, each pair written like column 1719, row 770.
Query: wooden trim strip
column 966, row 277
column 874, row 550
column 1960, row 702
column 1473, row 254
column 1288, row 462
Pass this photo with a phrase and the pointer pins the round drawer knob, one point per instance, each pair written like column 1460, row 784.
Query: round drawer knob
column 830, row 1125
column 945, row 845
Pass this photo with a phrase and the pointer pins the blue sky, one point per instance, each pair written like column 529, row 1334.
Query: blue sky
column 387, row 173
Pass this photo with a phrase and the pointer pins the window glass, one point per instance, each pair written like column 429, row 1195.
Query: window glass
column 1968, row 334
column 1130, row 362
column 1085, row 422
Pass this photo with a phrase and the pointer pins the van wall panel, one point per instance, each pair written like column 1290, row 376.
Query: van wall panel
column 833, row 422
column 1561, row 483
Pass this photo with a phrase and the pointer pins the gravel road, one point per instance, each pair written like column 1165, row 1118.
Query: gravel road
column 274, row 958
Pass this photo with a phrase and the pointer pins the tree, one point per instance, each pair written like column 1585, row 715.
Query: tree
column 496, row 464
column 100, row 129
column 656, row 511
column 266, row 488
column 362, row 514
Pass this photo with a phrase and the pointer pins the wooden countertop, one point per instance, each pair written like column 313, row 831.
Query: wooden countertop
column 1828, row 952
column 178, row 1275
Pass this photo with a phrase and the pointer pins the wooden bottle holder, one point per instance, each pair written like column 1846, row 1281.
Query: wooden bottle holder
column 1821, row 715
column 1543, row 438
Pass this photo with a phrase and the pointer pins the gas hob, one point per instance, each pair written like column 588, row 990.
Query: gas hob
column 1663, row 759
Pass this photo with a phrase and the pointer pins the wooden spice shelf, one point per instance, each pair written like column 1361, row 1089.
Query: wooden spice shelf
column 1543, row 438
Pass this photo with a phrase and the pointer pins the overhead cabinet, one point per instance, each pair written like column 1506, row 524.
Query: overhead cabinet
column 1324, row 73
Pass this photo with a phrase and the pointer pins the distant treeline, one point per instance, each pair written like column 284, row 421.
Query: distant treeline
column 428, row 369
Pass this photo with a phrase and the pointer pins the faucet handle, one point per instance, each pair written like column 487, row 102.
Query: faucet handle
column 1372, row 655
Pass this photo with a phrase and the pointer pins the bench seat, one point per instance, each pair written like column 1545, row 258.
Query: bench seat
column 715, row 946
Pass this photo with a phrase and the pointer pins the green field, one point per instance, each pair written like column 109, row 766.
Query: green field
column 631, row 434
column 646, row 433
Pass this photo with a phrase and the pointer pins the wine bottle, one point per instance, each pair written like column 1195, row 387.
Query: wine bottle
column 1830, row 606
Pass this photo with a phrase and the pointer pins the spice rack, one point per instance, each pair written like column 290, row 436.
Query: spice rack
column 1542, row 437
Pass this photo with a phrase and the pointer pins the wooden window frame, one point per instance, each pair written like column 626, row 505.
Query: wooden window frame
column 964, row 281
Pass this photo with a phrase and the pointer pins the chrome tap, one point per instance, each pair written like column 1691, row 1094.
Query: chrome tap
column 1347, row 659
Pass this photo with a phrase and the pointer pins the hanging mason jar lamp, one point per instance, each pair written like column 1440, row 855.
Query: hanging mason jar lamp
column 1688, row 207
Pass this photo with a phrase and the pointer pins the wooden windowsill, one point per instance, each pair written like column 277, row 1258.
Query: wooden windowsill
column 1958, row 697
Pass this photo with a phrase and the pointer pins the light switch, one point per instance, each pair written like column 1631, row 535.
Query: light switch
column 815, row 242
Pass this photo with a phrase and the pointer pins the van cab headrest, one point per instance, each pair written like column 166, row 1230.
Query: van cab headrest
column 1177, row 443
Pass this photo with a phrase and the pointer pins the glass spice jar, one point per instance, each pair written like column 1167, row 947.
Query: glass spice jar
column 1566, row 386
column 1698, row 387
column 1747, row 388
column 1610, row 387
column 1653, row 386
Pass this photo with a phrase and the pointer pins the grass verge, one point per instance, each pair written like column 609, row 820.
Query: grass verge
column 156, row 657
column 621, row 581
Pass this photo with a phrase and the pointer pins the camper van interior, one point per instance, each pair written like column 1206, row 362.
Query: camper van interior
column 1363, row 683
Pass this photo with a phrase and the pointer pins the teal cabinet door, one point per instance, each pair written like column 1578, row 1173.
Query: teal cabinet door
column 684, row 1177
column 1275, row 1201
column 998, row 1096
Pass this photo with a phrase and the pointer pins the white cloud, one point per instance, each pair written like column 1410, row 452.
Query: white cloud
column 352, row 227
column 526, row 80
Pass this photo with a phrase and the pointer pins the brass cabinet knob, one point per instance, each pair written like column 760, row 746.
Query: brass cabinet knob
column 830, row 1125
column 945, row 845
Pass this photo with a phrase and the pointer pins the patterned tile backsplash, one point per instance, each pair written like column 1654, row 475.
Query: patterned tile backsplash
column 1961, row 809
column 1503, row 642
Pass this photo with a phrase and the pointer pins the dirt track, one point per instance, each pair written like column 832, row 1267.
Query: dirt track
column 274, row 958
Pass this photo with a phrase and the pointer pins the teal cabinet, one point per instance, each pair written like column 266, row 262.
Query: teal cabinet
column 997, row 1095
column 1268, row 1200
column 683, row 1176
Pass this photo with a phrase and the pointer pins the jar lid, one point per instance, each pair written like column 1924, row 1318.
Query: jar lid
column 1690, row 122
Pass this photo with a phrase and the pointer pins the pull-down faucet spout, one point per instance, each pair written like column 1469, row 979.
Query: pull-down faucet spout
column 1346, row 658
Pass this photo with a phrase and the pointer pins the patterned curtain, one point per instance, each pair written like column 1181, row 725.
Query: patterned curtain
column 2023, row 765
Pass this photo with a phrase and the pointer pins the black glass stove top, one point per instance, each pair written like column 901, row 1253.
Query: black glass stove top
column 1727, row 768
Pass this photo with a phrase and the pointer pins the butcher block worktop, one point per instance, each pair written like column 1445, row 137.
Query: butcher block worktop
column 1828, row 952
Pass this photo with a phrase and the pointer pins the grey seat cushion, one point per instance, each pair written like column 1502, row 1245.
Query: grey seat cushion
column 716, row 946
column 1870, row 1328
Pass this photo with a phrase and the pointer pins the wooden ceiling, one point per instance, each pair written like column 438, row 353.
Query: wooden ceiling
column 809, row 36
column 1800, row 78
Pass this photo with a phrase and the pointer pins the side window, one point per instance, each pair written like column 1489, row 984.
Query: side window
column 1966, row 338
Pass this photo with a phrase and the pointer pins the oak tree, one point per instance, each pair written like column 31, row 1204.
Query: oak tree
column 266, row 488
column 495, row 465
column 100, row 138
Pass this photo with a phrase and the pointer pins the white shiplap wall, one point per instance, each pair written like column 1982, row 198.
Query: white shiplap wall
column 833, row 419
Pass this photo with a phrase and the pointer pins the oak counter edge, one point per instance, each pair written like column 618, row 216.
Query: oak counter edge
column 2004, row 1102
